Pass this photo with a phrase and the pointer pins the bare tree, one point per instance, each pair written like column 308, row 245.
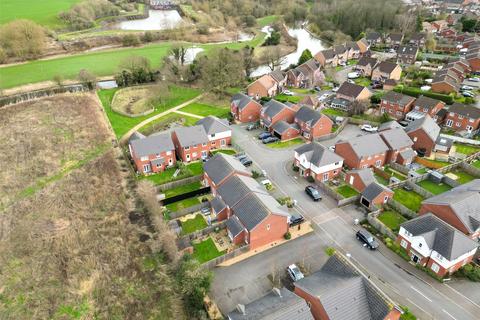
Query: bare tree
column 405, row 22
column 273, row 58
column 358, row 107
column 179, row 53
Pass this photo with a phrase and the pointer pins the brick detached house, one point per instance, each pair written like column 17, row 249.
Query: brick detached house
column 363, row 151
column 326, row 58
column 407, row 54
column 244, row 108
column 375, row 195
column 363, row 46
column 317, row 161
column 353, row 50
column 396, row 105
column 463, row 117
column 424, row 134
column 386, row 70
column 473, row 60
column 265, row 86
column 274, row 111
column 399, row 146
column 305, row 75
column 393, row 40
column 459, row 207
column 366, row 65
column 359, row 179
column 152, row 154
column 280, row 77
column 436, row 245
column 425, row 105
column 312, row 124
column 374, row 38
column 194, row 143
column 219, row 168
column 418, row 39
column 353, row 92
column 339, row 291
column 277, row 304
column 445, row 83
column 310, row 101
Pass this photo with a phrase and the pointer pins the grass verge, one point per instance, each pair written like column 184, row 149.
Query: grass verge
column 285, row 144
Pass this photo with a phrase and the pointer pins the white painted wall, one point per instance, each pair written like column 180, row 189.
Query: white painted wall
column 221, row 135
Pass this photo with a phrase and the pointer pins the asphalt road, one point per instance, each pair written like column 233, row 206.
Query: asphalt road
column 405, row 284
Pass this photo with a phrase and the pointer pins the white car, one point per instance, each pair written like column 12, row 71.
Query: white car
column 468, row 94
column 466, row 88
column 474, row 79
column 353, row 75
column 324, row 96
column 335, row 89
column 288, row 93
column 368, row 128
column 294, row 272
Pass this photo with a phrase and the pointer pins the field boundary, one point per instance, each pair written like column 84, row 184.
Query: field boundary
column 41, row 93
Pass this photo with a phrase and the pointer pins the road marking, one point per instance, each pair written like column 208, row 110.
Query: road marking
column 449, row 314
column 325, row 217
column 460, row 294
column 419, row 292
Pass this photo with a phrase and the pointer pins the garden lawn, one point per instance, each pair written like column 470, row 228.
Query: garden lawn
column 44, row 13
column 285, row 144
column 392, row 219
column 230, row 152
column 346, row 191
column 363, row 81
column 182, row 204
column 193, row 169
column 333, row 112
column 285, row 98
column 476, row 164
column 409, row 199
column 205, row 110
column 433, row 187
column 194, row 224
column 463, row 177
column 161, row 123
column 183, row 189
column 206, row 251
column 381, row 180
column 121, row 124
column 422, row 171
column 466, row 149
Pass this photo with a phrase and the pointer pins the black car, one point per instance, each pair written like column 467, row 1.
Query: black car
column 246, row 162
column 264, row 135
column 270, row 140
column 296, row 219
column 368, row 240
column 313, row 193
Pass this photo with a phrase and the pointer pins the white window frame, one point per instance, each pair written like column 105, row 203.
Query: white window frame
column 435, row 267
column 403, row 243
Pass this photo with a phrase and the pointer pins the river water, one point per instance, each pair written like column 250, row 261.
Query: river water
column 157, row 20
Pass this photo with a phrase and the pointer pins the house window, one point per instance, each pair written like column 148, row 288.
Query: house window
column 404, row 244
column 268, row 226
column 378, row 163
column 449, row 123
column 204, row 154
column 169, row 153
column 204, row 144
column 460, row 117
column 435, row 267
column 419, row 245
column 457, row 124
column 425, row 110
column 337, row 163
column 146, row 168
column 187, row 148
column 212, row 135
column 471, row 120
column 188, row 157
column 223, row 142
column 325, row 176
column 194, row 155
column 170, row 161
column 158, row 155
column 415, row 139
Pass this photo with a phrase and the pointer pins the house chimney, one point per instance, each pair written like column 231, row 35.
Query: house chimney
column 241, row 308
column 277, row 292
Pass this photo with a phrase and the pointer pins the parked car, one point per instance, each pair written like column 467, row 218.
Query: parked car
column 296, row 219
column 377, row 85
column 270, row 140
column 343, row 64
column 324, row 96
column 313, row 193
column 246, row 162
column 367, row 239
column 464, row 87
column 368, row 128
column 474, row 79
column 288, row 93
column 407, row 187
column 317, row 88
column 468, row 94
column 350, row 81
column 205, row 211
column 335, row 89
column 264, row 135
column 353, row 75
column 294, row 273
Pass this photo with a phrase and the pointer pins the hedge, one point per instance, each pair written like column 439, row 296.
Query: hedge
column 415, row 92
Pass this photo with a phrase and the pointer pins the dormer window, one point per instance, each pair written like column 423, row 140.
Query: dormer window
column 420, row 245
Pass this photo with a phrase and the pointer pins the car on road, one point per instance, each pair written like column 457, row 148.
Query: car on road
column 474, row 79
column 353, row 75
column 294, row 272
column 313, row 193
column 367, row 239
column 270, row 140
column 465, row 87
column 246, row 162
column 368, row 128
column 324, row 96
column 288, row 93
column 264, row 135
column 468, row 94
column 335, row 89
column 252, row 126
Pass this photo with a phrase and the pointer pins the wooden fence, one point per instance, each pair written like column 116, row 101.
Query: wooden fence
column 333, row 134
column 213, row 263
column 186, row 195
column 372, row 218
column 341, row 201
column 192, row 209
column 178, row 183
column 402, row 209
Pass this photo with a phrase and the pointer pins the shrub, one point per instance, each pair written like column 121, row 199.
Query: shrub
column 273, row 40
column 22, row 39
column 295, row 168
column 255, row 174
column 310, row 179
column 269, row 187
column 416, row 92
column 470, row 271
column 84, row 14
column 203, row 29
column 130, row 40
column 330, row 251
column 407, row 314
column 287, row 236
column 87, row 78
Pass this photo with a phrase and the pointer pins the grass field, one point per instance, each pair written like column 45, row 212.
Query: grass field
column 121, row 124
column 204, row 110
column 392, row 219
column 435, row 188
column 206, row 251
column 193, row 169
column 285, row 144
column 409, row 199
column 42, row 12
column 346, row 191
column 183, row 189
column 194, row 224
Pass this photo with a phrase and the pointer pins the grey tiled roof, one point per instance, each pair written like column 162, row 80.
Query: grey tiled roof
column 395, row 36
column 350, row 89
column 417, row 36
column 255, row 207
column 408, row 154
column 396, row 138
column 398, row 98
column 426, row 102
column 282, row 126
column 287, row 306
column 366, row 175
column 217, row 204
column 464, row 201
column 344, row 293
column 236, row 187
column 466, row 111
column 407, row 50
column 373, row 36
column 277, row 75
column 234, row 226
column 221, row 166
column 241, row 100
column 308, row 115
column 367, row 145
column 213, row 125
column 273, row 107
column 440, row 236
column 373, row 190
column 364, row 61
column 135, row 136
column 157, row 161
column 190, row 136
column 318, row 155
column 386, row 67
column 328, row 53
column 389, row 125
column 153, row 144
column 427, row 124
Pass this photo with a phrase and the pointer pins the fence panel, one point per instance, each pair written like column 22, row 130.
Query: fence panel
column 329, row 191
column 178, row 183
column 399, row 168
column 213, row 263
column 460, row 139
column 402, row 209
column 468, row 168
column 424, row 193
column 186, row 195
column 192, row 209
column 377, row 224
column 347, row 201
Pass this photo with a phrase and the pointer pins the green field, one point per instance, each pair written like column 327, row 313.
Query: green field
column 42, row 12
column 121, row 124
column 204, row 110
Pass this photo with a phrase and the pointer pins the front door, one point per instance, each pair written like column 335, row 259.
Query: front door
column 415, row 258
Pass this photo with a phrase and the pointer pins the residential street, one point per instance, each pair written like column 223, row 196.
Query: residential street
column 405, row 284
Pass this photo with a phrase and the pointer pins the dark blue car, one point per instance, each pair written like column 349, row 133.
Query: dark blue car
column 264, row 135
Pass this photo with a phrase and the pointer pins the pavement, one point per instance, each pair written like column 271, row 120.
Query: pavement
column 249, row 279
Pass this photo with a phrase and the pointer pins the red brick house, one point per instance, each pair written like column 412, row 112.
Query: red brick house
column 397, row 105
column 473, row 60
column 428, row 106
column 399, row 146
column 353, row 92
column 375, row 195
column 265, row 86
column 386, row 70
column 312, row 124
column 274, row 111
column 309, row 101
column 459, row 207
column 424, row 134
column 436, row 245
column 285, row 131
column 340, row 291
column 244, row 108
column 327, row 58
column 363, row 151
column 359, row 179
column 221, row 167
column 446, row 82
column 305, row 75
column 440, row 25
column 463, row 117
column 393, row 40
column 366, row 65
column 318, row 162
column 152, row 154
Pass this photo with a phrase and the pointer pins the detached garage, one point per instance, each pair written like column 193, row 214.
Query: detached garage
column 375, row 194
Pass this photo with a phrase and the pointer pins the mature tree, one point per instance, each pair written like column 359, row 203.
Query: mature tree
column 134, row 63
column 133, row 70
column 248, row 58
column 87, row 78
column 221, row 69
column 22, row 39
column 430, row 42
column 179, row 53
column 306, row 55
column 405, row 22
column 358, row 107
column 273, row 39
column 273, row 58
